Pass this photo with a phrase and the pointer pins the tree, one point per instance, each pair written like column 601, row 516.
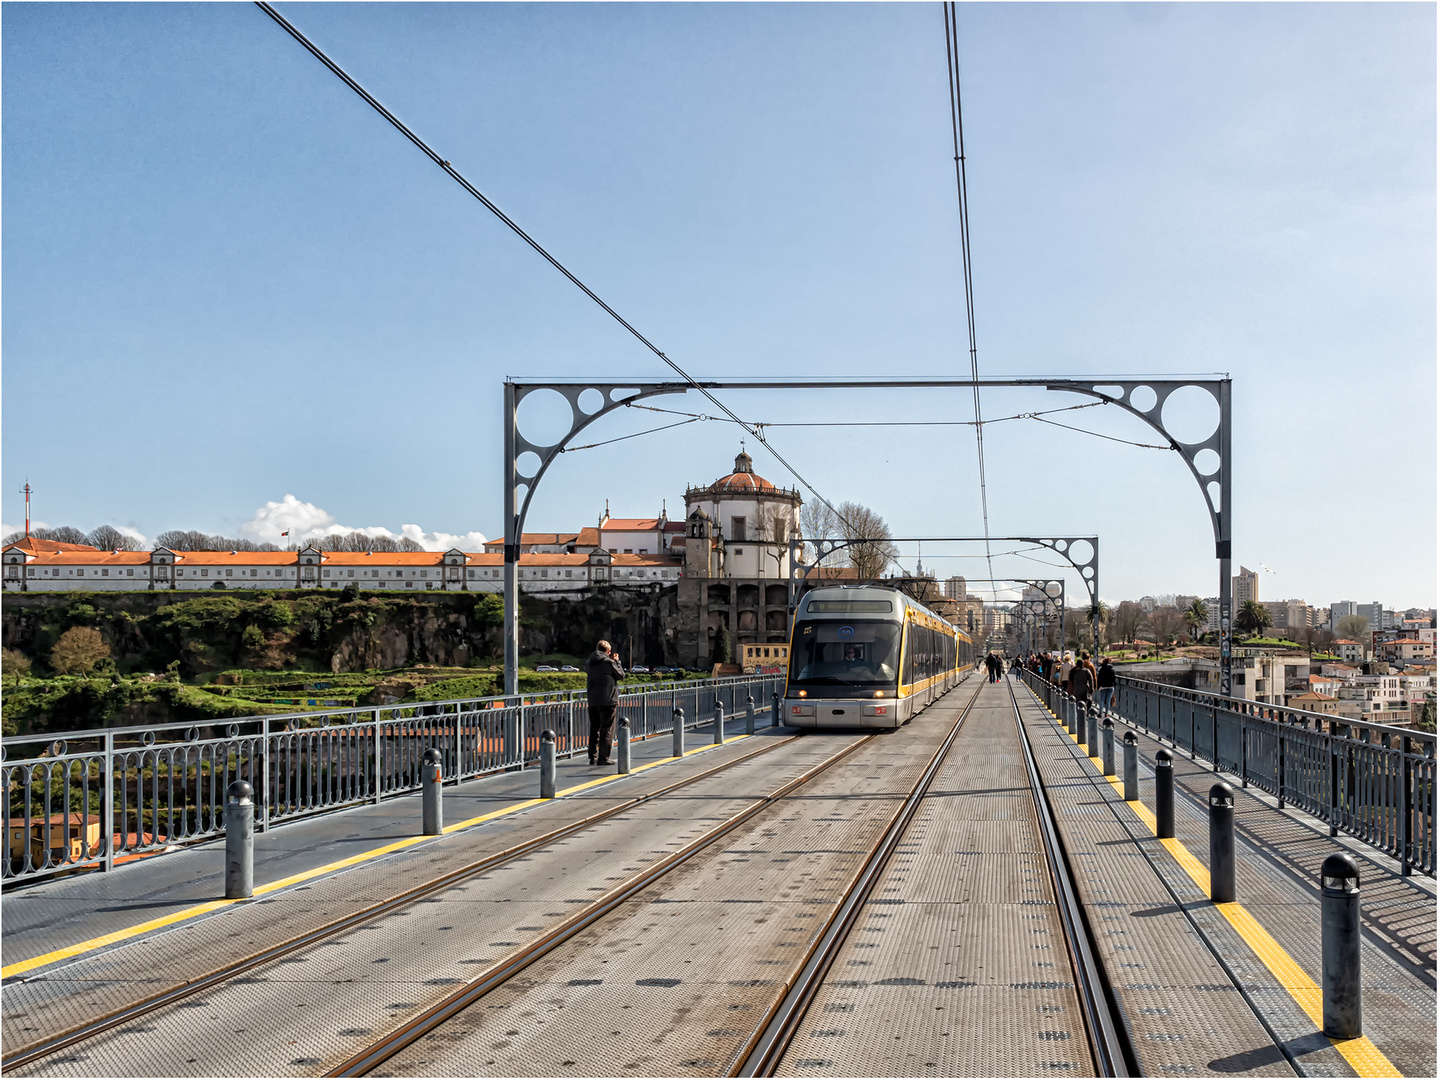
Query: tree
column 1316, row 638
column 1252, row 618
column 64, row 534
column 14, row 662
column 723, row 647
column 109, row 538
column 190, row 540
column 1129, row 617
column 1166, row 621
column 1196, row 616
column 79, row 649
column 1353, row 627
column 871, row 552
column 817, row 521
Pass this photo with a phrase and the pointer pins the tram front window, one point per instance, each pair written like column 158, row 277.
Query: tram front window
column 857, row 654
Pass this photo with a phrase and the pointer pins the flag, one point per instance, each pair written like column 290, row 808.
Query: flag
column 285, row 533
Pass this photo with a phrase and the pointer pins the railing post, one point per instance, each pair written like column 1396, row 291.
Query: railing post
column 1164, row 795
column 1406, row 806
column 1214, row 724
column 677, row 733
column 1131, row 766
column 1221, row 844
column 265, row 794
column 432, row 807
column 719, row 720
column 1279, row 765
column 1107, row 739
column 239, row 841
column 1339, row 918
column 622, row 751
column 107, row 806
column 1330, row 743
column 375, row 748
column 1243, row 749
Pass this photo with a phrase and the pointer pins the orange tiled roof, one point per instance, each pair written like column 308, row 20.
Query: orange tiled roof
column 1312, row 697
column 632, row 524
column 533, row 538
column 588, row 537
column 37, row 546
column 92, row 557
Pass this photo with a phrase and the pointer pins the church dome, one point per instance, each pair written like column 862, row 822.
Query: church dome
column 744, row 478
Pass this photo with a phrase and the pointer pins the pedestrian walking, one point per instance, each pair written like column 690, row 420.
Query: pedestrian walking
column 1106, row 683
column 1081, row 684
column 602, row 673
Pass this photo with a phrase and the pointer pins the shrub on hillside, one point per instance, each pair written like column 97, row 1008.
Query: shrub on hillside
column 79, row 649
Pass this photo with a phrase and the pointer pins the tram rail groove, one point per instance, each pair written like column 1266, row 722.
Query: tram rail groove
column 436, row 1015
column 56, row 1043
column 772, row 1039
column 1103, row 1015
column 1282, row 1045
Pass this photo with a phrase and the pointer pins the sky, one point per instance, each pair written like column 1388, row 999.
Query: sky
column 236, row 300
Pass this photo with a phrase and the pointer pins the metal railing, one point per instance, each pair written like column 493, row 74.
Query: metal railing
column 1372, row 781
column 96, row 798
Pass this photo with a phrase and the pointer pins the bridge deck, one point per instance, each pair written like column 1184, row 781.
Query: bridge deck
column 954, row 967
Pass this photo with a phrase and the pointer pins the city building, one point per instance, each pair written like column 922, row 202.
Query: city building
column 1244, row 586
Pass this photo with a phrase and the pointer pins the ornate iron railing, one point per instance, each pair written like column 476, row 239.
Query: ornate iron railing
column 99, row 797
column 1371, row 781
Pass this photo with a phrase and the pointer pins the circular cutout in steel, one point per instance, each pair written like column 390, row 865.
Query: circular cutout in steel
column 591, row 401
column 1213, row 490
column 544, row 417
column 58, row 748
column 1190, row 414
column 192, row 734
column 1206, row 463
column 147, row 739
column 1088, row 571
column 527, row 465
column 1081, row 552
column 232, row 731
column 1143, row 398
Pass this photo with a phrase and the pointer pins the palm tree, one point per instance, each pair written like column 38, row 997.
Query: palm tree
column 1196, row 615
column 1252, row 618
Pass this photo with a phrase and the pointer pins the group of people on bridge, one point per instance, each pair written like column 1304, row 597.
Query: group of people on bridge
column 1076, row 677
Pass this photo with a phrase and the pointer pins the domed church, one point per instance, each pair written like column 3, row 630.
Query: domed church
column 752, row 519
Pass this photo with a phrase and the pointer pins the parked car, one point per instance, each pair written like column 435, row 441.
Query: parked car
column 568, row 667
column 639, row 669
column 546, row 667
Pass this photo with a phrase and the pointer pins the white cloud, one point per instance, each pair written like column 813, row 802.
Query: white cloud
column 306, row 521
column 136, row 535
column 6, row 530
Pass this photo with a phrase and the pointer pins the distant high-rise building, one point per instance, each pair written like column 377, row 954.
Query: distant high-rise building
column 1339, row 610
column 1373, row 612
column 1148, row 603
column 1244, row 586
column 954, row 589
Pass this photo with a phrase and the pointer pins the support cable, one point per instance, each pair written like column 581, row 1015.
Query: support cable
column 956, row 116
column 455, row 175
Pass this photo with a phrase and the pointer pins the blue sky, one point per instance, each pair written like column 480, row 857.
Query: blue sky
column 228, row 282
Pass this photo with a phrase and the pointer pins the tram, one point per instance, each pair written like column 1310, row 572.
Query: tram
column 869, row 657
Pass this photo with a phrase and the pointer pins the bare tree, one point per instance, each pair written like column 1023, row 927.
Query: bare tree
column 1167, row 622
column 870, row 553
column 1352, row 627
column 1129, row 617
column 109, row 538
column 818, row 522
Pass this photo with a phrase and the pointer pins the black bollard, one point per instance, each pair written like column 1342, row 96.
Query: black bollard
column 547, row 765
column 1106, row 738
column 239, row 841
column 432, row 807
column 1163, row 795
column 774, row 716
column 1339, row 917
column 622, row 746
column 1131, row 766
column 749, row 714
column 1091, row 718
column 719, row 723
column 1221, row 844
column 677, row 733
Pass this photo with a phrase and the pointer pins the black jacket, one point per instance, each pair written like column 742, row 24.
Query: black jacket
column 1081, row 681
column 1106, row 675
column 602, row 670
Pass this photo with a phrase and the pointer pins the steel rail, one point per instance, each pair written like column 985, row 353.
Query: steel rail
column 56, row 1043
column 445, row 1010
column 767, row 1047
column 1185, row 906
column 1103, row 1018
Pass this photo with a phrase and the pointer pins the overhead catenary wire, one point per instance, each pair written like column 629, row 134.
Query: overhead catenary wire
column 956, row 115
column 514, row 227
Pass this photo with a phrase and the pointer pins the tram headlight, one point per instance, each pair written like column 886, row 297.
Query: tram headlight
column 804, row 693
column 879, row 693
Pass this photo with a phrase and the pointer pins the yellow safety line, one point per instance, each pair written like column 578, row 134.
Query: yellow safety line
column 1363, row 1056
column 80, row 948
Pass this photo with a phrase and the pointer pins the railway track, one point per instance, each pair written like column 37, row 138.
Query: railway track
column 1281, row 1045
column 771, row 1037
column 57, row 1043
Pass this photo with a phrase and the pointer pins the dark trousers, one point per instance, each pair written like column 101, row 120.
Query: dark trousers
column 602, row 722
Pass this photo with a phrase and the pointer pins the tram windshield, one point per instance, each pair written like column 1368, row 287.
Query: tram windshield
column 833, row 653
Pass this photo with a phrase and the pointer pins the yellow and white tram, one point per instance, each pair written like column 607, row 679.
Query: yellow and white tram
column 869, row 657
